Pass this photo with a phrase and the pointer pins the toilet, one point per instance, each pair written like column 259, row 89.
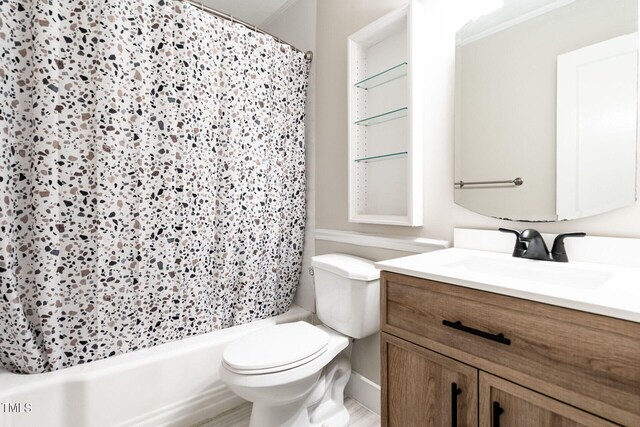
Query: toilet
column 295, row 373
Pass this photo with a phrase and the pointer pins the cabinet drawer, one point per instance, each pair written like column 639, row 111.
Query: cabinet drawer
column 589, row 361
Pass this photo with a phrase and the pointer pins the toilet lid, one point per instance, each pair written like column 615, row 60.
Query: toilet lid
column 276, row 348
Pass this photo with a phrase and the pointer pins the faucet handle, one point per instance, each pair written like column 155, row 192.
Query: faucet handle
column 520, row 246
column 558, row 252
column 530, row 234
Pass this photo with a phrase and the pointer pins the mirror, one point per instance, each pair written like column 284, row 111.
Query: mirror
column 546, row 109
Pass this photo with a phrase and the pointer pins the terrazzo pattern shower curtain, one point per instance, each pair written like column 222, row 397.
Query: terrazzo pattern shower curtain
column 151, row 181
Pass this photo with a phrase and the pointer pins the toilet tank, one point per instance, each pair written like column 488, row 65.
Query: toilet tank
column 347, row 294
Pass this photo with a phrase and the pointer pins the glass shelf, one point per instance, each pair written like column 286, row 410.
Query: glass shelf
column 382, row 157
column 383, row 77
column 384, row 117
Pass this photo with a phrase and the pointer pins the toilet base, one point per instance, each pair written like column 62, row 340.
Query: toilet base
column 289, row 415
column 324, row 406
column 292, row 416
column 329, row 409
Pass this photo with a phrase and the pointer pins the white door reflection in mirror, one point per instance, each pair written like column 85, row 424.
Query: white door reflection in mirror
column 596, row 127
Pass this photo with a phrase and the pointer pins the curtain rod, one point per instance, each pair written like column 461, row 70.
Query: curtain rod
column 199, row 4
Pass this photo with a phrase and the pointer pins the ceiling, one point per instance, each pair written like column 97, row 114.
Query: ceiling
column 251, row 11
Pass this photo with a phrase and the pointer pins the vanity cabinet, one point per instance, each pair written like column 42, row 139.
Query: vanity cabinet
column 544, row 365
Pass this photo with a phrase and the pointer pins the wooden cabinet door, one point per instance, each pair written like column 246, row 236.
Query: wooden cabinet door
column 503, row 403
column 423, row 388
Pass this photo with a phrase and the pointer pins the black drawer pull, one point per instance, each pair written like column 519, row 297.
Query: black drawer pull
column 459, row 326
column 455, row 391
column 497, row 411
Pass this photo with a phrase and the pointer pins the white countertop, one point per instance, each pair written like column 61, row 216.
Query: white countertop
column 604, row 289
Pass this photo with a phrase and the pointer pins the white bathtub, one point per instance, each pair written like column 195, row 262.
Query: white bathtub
column 174, row 384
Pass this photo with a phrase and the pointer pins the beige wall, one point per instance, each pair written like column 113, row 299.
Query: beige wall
column 297, row 25
column 336, row 20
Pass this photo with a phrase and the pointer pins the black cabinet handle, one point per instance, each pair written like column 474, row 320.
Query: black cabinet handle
column 459, row 326
column 455, row 391
column 497, row 411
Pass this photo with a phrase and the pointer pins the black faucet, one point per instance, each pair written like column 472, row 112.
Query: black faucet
column 520, row 247
column 531, row 245
column 557, row 251
column 536, row 247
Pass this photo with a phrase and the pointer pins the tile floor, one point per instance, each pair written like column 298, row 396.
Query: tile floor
column 239, row 417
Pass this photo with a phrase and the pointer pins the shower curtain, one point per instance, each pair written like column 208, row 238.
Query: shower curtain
column 152, row 177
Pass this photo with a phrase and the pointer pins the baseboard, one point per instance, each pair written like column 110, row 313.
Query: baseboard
column 364, row 391
column 189, row 411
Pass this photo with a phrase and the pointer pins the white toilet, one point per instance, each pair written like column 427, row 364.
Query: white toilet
column 295, row 373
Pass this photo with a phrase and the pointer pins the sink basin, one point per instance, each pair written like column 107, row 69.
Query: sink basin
column 601, row 277
column 540, row 271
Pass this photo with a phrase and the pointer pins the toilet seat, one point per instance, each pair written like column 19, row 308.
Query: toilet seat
column 337, row 343
column 275, row 349
column 275, row 369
